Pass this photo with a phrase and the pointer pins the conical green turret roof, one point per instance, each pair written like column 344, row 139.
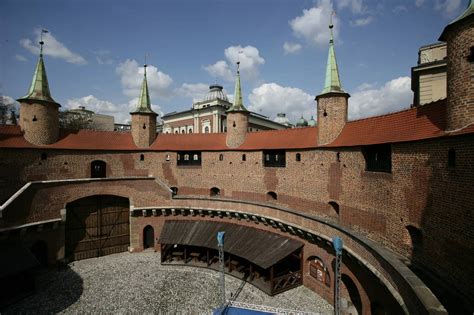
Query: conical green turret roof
column 332, row 83
column 238, row 105
column 468, row 12
column 39, row 88
column 144, row 104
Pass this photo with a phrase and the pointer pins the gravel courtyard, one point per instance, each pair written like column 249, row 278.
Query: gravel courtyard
column 138, row 283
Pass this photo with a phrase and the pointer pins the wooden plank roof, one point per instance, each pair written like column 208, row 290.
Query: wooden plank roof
column 259, row 247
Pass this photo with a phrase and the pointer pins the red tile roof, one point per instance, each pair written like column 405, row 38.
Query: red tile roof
column 424, row 122
column 419, row 123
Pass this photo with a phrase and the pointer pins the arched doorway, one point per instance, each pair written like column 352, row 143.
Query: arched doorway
column 97, row 226
column 350, row 297
column 40, row 251
column 148, row 237
column 98, row 169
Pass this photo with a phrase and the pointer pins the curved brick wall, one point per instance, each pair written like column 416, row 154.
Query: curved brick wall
column 39, row 122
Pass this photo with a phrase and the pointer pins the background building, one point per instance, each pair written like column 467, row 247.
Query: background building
column 209, row 116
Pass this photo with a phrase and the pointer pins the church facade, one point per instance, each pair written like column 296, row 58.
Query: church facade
column 396, row 188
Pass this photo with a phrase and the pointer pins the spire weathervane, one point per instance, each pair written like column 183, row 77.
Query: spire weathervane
column 145, row 65
column 238, row 60
column 331, row 26
column 41, row 41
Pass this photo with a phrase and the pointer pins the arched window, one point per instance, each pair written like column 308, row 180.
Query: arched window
column 168, row 157
column 221, row 157
column 190, row 130
column 298, row 157
column 142, row 157
column 176, row 131
column 334, row 206
column 271, row 195
column 319, row 271
column 174, row 190
column 98, row 169
column 148, row 237
column 186, row 157
column 215, row 192
column 244, row 157
column 195, row 157
column 451, row 158
column 206, row 129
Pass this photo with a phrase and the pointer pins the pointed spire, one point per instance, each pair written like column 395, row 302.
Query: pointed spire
column 144, row 104
column 39, row 88
column 332, row 83
column 238, row 103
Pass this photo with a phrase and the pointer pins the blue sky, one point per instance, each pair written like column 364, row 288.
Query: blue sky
column 94, row 51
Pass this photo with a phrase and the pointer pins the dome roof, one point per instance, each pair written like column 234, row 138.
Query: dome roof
column 215, row 92
column 282, row 119
column 312, row 122
column 302, row 122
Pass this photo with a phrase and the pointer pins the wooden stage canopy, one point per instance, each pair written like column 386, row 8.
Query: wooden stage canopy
column 262, row 248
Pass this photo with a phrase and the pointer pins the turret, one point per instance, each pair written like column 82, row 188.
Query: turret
column 332, row 101
column 459, row 36
column 39, row 112
column 144, row 118
column 237, row 117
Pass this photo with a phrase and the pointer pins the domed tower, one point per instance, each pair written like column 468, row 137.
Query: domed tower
column 216, row 93
column 39, row 112
column 332, row 102
column 459, row 36
column 302, row 122
column 144, row 118
column 237, row 117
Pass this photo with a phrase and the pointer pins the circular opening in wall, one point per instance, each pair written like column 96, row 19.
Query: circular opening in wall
column 34, row 118
column 144, row 126
column 325, row 114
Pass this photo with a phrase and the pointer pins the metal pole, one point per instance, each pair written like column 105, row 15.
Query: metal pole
column 337, row 244
column 220, row 243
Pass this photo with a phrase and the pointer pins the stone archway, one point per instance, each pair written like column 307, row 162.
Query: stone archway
column 148, row 237
column 351, row 301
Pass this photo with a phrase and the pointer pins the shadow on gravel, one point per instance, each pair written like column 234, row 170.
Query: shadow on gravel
column 56, row 290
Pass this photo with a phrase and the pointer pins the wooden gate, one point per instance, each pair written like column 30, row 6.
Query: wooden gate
column 97, row 226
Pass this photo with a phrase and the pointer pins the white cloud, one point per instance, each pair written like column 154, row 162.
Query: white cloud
column 369, row 101
column 8, row 101
column 197, row 91
column 52, row 47
column 131, row 78
column 356, row 6
column 313, row 24
column 250, row 61
column 20, row 58
column 271, row 98
column 220, row 70
column 362, row 21
column 121, row 112
column 419, row 3
column 103, row 57
column 449, row 8
column 291, row 48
